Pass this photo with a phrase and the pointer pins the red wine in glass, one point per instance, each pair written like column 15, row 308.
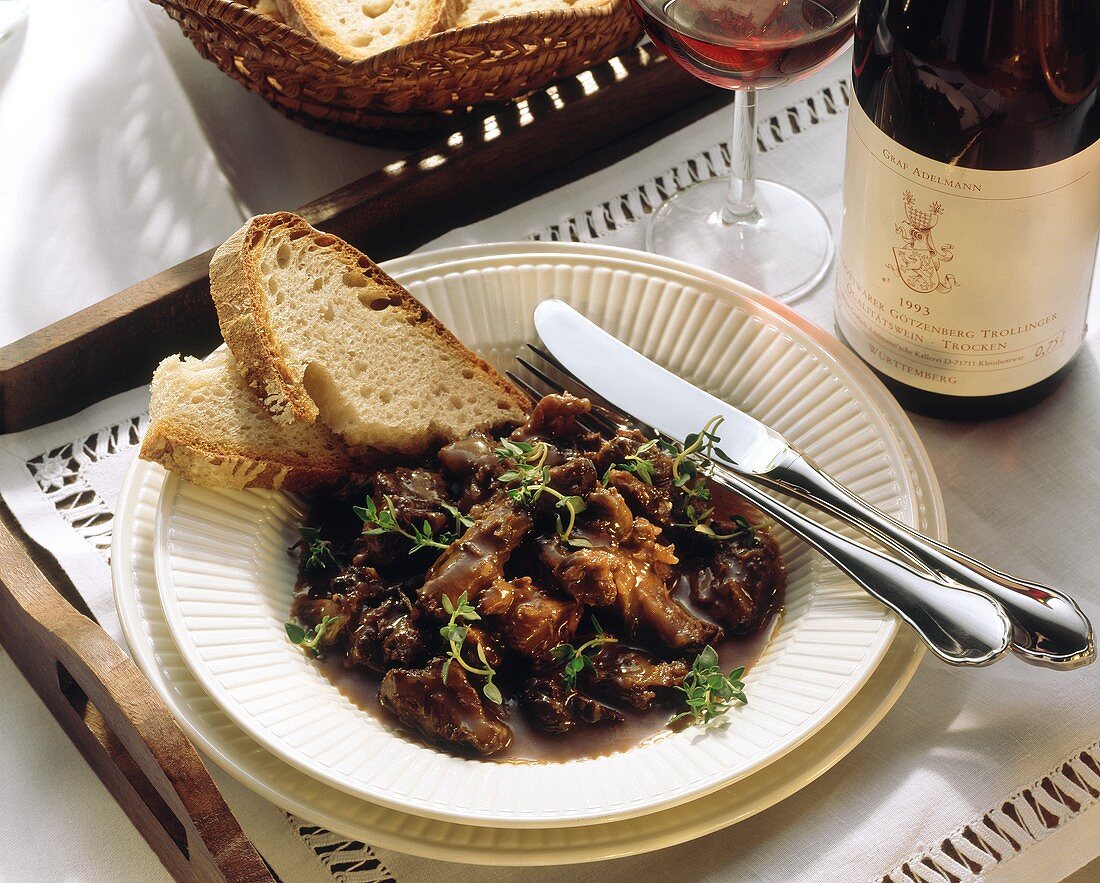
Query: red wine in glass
column 759, row 232
column 736, row 45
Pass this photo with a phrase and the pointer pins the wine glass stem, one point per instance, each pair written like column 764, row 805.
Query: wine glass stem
column 740, row 205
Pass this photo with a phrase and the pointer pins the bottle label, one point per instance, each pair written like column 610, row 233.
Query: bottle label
column 961, row 281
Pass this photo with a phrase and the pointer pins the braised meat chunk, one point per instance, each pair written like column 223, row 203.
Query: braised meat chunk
column 476, row 560
column 609, row 514
column 531, row 621
column 453, row 713
column 619, row 674
column 387, row 636
column 576, row 476
column 589, row 575
column 472, row 466
column 593, row 572
column 651, row 499
column 417, row 495
column 737, row 584
column 625, row 568
column 358, row 583
column 558, row 708
column 555, row 418
column 645, row 603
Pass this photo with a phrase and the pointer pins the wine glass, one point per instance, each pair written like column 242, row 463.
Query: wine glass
column 760, row 232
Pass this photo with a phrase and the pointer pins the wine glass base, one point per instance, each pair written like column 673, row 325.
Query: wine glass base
column 784, row 250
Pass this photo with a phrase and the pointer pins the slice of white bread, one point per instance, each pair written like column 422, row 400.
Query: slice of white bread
column 359, row 28
column 319, row 330
column 470, row 12
column 207, row 426
column 269, row 8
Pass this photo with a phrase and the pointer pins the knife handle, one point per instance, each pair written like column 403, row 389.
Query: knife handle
column 1049, row 629
column 961, row 626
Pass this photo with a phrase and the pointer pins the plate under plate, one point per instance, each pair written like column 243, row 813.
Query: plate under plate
column 711, row 331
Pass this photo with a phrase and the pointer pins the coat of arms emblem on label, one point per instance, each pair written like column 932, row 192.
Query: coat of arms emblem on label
column 918, row 261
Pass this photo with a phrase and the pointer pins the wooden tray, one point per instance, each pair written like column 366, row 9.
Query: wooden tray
column 97, row 695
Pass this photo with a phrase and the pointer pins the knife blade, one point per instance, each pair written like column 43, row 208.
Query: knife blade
column 651, row 393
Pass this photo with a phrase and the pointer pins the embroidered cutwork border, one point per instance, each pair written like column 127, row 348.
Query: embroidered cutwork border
column 714, row 162
column 1003, row 832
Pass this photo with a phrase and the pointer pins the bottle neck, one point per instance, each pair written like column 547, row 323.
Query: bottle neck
column 993, row 84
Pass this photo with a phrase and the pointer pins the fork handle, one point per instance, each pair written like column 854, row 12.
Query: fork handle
column 1049, row 628
column 960, row 625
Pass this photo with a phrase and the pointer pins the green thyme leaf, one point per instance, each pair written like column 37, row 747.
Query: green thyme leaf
column 455, row 634
column 318, row 553
column 576, row 659
column 461, row 521
column 310, row 639
column 707, row 692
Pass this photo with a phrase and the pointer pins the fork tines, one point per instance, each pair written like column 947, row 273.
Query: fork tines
column 539, row 379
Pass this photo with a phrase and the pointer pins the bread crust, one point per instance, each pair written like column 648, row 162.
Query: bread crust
column 202, row 461
column 246, row 324
column 235, row 284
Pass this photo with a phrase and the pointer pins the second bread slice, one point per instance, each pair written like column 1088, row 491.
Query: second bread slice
column 320, row 330
column 359, row 28
column 471, row 12
column 206, row 426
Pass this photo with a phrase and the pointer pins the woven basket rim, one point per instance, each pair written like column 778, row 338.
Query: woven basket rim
column 434, row 43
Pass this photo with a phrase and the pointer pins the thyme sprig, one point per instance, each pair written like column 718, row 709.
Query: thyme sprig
column 707, row 692
column 454, row 633
column 693, row 464
column 384, row 520
column 637, row 464
column 310, row 639
column 577, row 659
column 530, row 479
column 318, row 552
column 461, row 521
column 699, row 521
column 530, row 476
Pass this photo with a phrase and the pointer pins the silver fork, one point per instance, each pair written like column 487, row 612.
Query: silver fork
column 960, row 625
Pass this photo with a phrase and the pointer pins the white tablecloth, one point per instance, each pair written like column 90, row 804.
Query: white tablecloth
column 122, row 152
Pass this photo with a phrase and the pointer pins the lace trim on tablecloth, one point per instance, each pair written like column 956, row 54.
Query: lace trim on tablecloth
column 711, row 163
column 59, row 473
column 349, row 861
column 1003, row 832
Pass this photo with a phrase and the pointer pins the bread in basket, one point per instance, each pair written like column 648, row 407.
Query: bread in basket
column 412, row 86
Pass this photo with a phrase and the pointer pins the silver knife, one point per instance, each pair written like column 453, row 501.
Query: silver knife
column 1048, row 626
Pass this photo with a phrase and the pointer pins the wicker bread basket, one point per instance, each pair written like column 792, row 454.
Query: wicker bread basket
column 411, row 87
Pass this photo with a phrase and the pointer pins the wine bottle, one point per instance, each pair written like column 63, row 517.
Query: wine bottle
column 971, row 198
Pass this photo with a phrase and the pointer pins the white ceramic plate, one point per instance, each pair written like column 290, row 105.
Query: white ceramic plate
column 225, row 578
column 220, row 739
